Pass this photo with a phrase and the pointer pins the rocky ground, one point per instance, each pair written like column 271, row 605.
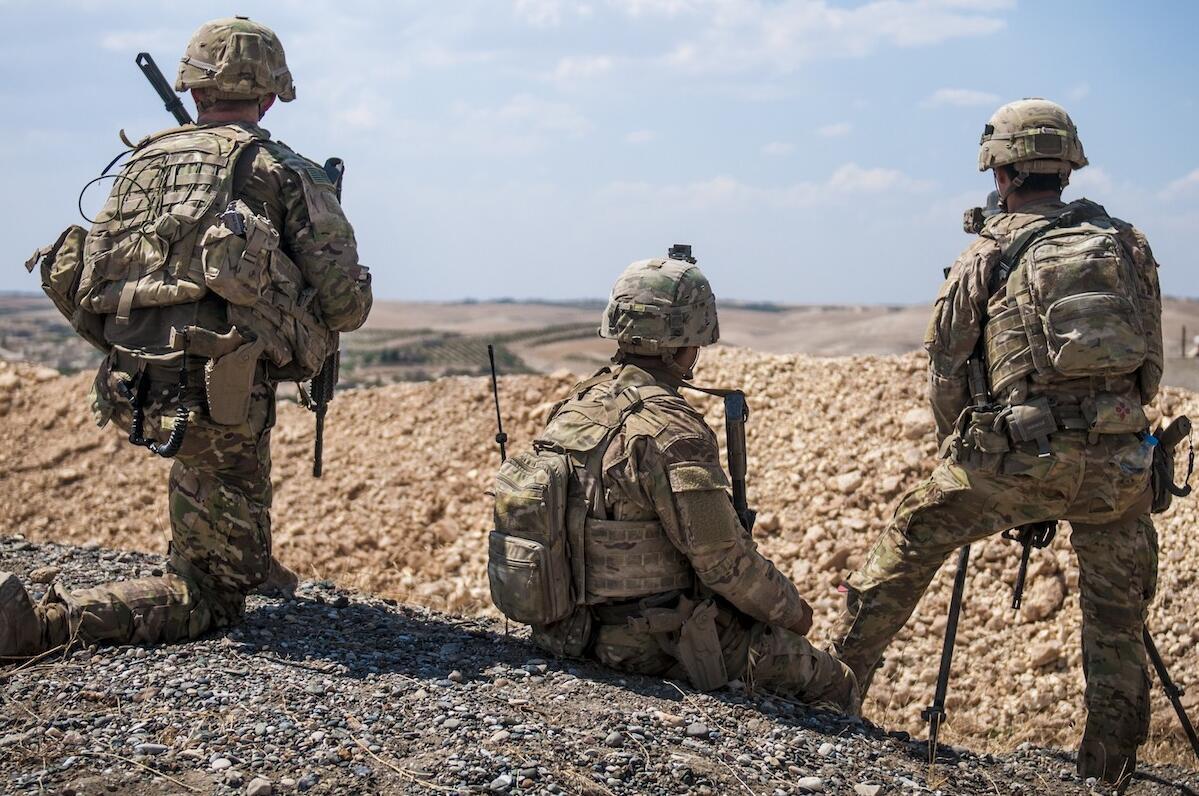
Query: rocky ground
column 341, row 692
column 403, row 512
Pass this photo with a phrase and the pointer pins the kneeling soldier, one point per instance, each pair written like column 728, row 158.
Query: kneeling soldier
column 615, row 536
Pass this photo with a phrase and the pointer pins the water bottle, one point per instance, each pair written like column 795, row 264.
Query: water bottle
column 1141, row 459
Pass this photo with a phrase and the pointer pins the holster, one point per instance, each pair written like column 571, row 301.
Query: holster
column 699, row 648
column 228, row 382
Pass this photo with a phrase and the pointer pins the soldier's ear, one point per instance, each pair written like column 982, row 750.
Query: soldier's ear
column 265, row 104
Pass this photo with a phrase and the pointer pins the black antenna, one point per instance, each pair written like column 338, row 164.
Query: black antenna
column 501, row 438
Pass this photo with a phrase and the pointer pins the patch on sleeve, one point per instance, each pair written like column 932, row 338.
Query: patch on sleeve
column 697, row 477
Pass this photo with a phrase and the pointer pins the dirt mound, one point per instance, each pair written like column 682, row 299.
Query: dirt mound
column 403, row 511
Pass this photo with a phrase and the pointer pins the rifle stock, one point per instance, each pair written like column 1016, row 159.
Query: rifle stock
column 736, row 412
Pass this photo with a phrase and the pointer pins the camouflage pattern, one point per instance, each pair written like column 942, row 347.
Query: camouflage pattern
column 988, row 483
column 220, row 486
column 1036, row 134
column 661, row 304
column 238, row 59
column 663, row 464
column 219, row 503
column 964, row 304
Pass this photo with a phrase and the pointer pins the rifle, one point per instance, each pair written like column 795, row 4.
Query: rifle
column 323, row 383
column 501, row 438
column 170, row 100
column 1173, row 692
column 736, row 412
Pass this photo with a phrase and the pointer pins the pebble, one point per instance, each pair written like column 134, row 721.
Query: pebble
column 614, row 739
column 809, row 784
column 44, row 574
column 826, row 749
column 862, row 789
column 220, row 764
column 259, row 786
column 697, row 730
column 669, row 719
column 150, row 748
column 501, row 783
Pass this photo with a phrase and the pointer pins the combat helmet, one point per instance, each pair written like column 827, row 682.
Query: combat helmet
column 660, row 305
column 237, row 57
column 1034, row 135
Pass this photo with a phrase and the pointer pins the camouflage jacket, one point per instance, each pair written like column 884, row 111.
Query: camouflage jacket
column 664, row 464
column 964, row 304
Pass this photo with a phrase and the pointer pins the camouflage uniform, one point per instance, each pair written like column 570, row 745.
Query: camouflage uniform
column 666, row 579
column 220, row 486
column 988, row 483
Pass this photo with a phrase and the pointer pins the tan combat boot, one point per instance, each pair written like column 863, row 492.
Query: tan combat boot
column 281, row 582
column 22, row 630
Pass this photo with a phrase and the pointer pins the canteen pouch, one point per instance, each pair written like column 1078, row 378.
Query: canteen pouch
column 60, row 266
column 699, row 649
column 228, row 381
column 236, row 254
column 1107, row 413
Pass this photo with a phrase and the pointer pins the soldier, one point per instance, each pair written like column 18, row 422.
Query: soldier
column 1059, row 304
column 616, row 538
column 221, row 264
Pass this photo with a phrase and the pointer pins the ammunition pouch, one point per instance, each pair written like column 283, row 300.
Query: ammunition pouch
column 1162, row 473
column 1033, row 421
column 60, row 265
column 236, row 255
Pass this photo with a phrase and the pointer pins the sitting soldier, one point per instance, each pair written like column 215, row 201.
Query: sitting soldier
column 615, row 536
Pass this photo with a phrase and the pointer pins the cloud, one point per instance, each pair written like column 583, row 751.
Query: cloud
column 847, row 182
column 144, row 40
column 521, row 124
column 1183, row 186
column 574, row 68
column 744, row 35
column 1079, row 92
column 640, row 137
column 1092, row 179
column 835, row 130
column 777, row 149
column 959, row 98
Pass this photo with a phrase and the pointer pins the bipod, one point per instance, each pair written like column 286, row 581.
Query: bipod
column 1173, row 692
column 935, row 714
column 1035, row 534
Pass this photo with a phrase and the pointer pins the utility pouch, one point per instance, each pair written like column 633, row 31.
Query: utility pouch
column 1031, row 422
column 236, row 254
column 1162, row 474
column 981, row 444
column 228, row 381
column 60, row 266
column 1107, row 413
column 699, row 649
column 568, row 638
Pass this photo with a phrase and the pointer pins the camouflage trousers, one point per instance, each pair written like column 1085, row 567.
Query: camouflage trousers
column 762, row 656
column 1111, row 533
column 219, row 502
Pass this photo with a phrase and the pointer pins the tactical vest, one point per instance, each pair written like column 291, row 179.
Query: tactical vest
column 554, row 548
column 160, row 241
column 1072, row 319
column 143, row 249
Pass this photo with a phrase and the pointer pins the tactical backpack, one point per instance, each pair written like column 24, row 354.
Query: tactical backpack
column 552, row 552
column 1074, row 305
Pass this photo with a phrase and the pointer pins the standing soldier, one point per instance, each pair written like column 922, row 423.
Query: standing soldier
column 221, row 264
column 1044, row 344
column 616, row 538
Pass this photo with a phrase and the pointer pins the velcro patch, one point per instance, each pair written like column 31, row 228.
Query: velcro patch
column 697, row 477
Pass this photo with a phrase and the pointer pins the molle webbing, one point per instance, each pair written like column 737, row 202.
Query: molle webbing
column 631, row 559
column 143, row 249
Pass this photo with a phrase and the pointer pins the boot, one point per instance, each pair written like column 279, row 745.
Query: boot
column 281, row 582
column 22, row 630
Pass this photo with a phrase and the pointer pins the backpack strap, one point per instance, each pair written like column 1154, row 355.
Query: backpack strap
column 1010, row 257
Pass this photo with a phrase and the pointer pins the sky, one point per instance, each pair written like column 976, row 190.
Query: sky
column 811, row 151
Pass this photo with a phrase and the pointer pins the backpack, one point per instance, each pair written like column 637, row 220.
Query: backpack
column 549, row 524
column 1074, row 310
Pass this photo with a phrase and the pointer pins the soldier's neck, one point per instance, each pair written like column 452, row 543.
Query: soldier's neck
column 1020, row 199
column 247, row 115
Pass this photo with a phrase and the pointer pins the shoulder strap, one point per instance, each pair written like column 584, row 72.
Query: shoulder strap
column 1072, row 216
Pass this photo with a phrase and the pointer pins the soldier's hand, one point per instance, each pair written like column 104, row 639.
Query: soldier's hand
column 802, row 623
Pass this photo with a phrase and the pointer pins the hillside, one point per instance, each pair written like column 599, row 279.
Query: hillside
column 403, row 512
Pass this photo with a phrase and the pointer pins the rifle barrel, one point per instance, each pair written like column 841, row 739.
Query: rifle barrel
column 170, row 99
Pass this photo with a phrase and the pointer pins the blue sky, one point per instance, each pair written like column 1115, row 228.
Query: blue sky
column 812, row 151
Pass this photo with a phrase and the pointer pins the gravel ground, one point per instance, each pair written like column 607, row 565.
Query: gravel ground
column 338, row 692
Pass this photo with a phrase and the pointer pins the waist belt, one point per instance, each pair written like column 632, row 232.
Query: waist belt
column 662, row 613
